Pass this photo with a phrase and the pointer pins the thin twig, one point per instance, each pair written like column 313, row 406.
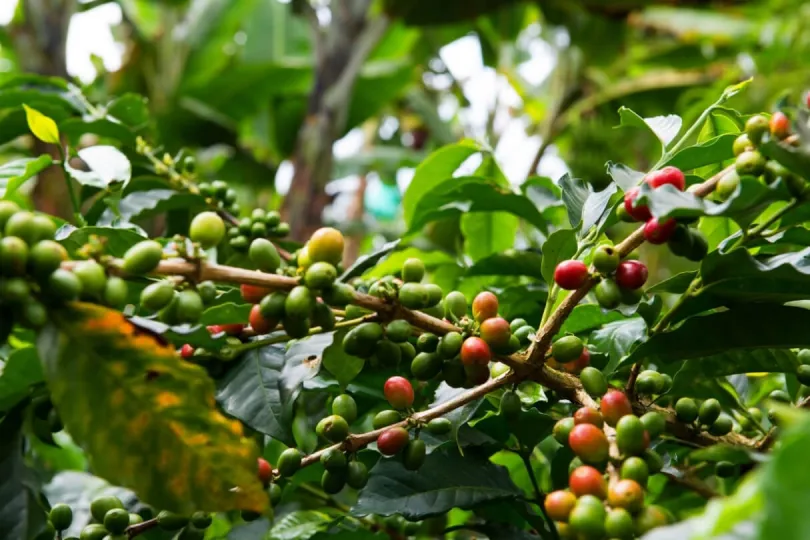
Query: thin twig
column 140, row 528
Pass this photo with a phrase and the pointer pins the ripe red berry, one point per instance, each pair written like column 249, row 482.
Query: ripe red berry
column 571, row 274
column 475, row 351
column 640, row 212
column 253, row 294
column 589, row 443
column 558, row 504
column 186, row 351
column 626, row 494
column 614, row 405
column 484, row 306
column 779, row 125
column 580, row 363
column 668, row 175
column 659, row 232
column 265, row 471
column 257, row 321
column 232, row 329
column 495, row 331
column 392, row 440
column 214, row 329
column 586, row 480
column 807, row 100
column 399, row 392
column 588, row 415
column 631, row 275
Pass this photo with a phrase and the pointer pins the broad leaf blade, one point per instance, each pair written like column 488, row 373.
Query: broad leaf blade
column 145, row 417
column 14, row 173
column 21, row 371
column 560, row 246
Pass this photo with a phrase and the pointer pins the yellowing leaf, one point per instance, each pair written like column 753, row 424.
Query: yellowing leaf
column 41, row 126
column 146, row 418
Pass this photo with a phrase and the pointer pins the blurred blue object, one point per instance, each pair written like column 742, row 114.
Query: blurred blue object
column 382, row 200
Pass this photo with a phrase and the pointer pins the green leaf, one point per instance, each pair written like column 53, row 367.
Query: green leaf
column 623, row 175
column 587, row 317
column 146, row 418
column 226, row 313
column 142, row 204
column 797, row 160
column 21, row 517
column 436, row 169
column 116, row 241
column 14, row 173
column 744, row 328
column 365, row 262
column 262, row 387
column 20, row 372
column 486, row 233
column 459, row 416
column 344, row 367
column 107, row 165
column 706, row 153
column 74, row 128
column 509, row 263
column 676, row 284
column 445, row 481
column 471, row 194
column 560, row 246
column 196, row 336
column 41, row 126
column 574, row 194
column 723, row 452
column 132, row 110
column 664, row 128
column 392, row 264
column 598, row 209
column 617, row 339
column 300, row 525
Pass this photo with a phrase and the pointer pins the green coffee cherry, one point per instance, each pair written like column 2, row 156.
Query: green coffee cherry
column 142, row 258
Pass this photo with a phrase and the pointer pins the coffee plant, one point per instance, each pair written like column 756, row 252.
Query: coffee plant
column 224, row 378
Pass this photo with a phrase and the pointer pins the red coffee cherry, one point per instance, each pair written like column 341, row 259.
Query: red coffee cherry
column 668, row 175
column 214, row 329
column 558, row 504
column 475, row 351
column 589, row 443
column 232, row 329
column 779, row 125
column 495, row 331
column 571, row 274
column 640, row 212
column 626, row 494
column 579, row 364
column 588, row 415
column 484, row 306
column 265, row 471
column 186, row 351
column 586, row 480
column 399, row 392
column 658, row 232
column 614, row 405
column 257, row 321
column 253, row 294
column 392, row 440
column 631, row 275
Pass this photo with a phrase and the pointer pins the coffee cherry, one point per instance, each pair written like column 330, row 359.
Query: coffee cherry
column 253, row 294
column 257, row 321
column 649, row 382
column 392, row 440
column 455, row 305
column 586, row 480
column 333, row 459
column 413, row 270
column 658, row 232
column 333, row 428
column 567, row 348
column 399, row 392
column 450, row 344
column 722, row 426
column 116, row 520
column 345, row 406
column 605, row 259
column 709, row 411
column 686, row 410
column 142, row 258
column 741, row 144
column 668, row 175
column 571, row 274
column 631, row 438
column 385, row 418
column 413, row 455
column 562, row 430
column 186, row 351
column 426, row 366
column 593, row 381
column 13, row 256
column 654, row 423
column 101, row 505
column 333, row 482
column 614, row 405
column 60, row 516
column 439, row 426
column 756, row 127
column 265, row 470
column 626, row 494
column 524, row 335
column 64, row 285
column 325, row 245
column 639, row 212
column 23, row 226
column 558, row 504
column 7, row 209
column 45, row 257
column 495, row 331
column 485, row 306
column 476, row 374
column 510, row 404
column 631, row 274
column 589, row 443
column 636, row 469
column 649, row 518
column 356, row 475
column 92, row 276
column 608, row 294
column 208, row 229
column 803, row 374
column 588, row 415
column 264, row 255
column 619, row 524
column 750, row 162
column 588, row 518
column 779, row 125
column 289, row 462
column 189, row 306
column 475, row 351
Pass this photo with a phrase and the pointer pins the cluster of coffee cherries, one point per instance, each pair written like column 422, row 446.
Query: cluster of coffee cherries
column 750, row 163
column 110, row 521
column 605, row 495
column 260, row 224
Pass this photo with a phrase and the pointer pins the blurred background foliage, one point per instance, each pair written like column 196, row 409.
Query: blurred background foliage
column 324, row 107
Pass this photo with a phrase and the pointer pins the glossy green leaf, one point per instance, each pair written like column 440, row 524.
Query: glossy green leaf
column 392, row 263
column 509, row 263
column 14, row 173
column 226, row 313
column 365, row 262
column 560, row 246
column 598, row 209
column 107, row 165
column 709, row 152
column 486, row 233
column 445, row 481
column 75, row 128
column 664, row 128
column 797, row 160
column 116, row 240
column 171, row 446
column 344, row 367
column 676, row 284
column 195, row 335
column 575, row 193
column 587, row 317
column 142, row 204
column 617, row 339
column 132, row 110
column 459, row 416
column 623, row 175
column 300, row 525
column 261, row 388
column 435, row 170
column 20, row 372
column 471, row 194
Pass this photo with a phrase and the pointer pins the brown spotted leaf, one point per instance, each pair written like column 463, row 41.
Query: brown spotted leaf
column 146, row 418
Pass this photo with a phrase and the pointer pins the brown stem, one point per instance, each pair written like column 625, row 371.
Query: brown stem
column 140, row 528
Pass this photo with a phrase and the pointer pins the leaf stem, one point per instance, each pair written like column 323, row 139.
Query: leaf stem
column 74, row 201
column 538, row 493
